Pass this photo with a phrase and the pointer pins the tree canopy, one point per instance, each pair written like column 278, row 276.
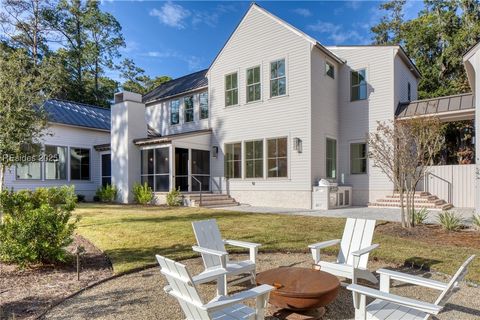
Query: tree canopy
column 84, row 40
column 436, row 40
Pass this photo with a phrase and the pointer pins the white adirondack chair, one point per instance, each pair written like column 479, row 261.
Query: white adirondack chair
column 214, row 255
column 183, row 287
column 356, row 242
column 391, row 306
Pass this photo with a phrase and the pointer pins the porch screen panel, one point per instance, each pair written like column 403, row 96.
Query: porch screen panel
column 201, row 169
column 155, row 170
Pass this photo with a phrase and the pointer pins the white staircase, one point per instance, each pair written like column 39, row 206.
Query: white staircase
column 209, row 200
column 422, row 200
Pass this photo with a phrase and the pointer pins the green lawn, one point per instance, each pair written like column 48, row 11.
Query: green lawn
column 131, row 235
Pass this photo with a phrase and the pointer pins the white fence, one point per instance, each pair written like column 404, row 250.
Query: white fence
column 455, row 183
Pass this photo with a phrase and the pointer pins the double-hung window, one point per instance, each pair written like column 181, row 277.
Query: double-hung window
column 233, row 160
column 79, row 164
column 106, row 169
column 231, row 89
column 331, row 158
column 253, row 84
column 55, row 163
column 254, row 159
column 358, row 158
column 277, row 158
column 203, row 98
column 174, row 112
column 278, row 79
column 358, row 82
column 188, row 109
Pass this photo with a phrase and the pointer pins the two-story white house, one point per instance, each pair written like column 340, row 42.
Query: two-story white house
column 274, row 114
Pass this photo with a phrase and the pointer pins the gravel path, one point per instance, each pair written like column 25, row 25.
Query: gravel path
column 140, row 295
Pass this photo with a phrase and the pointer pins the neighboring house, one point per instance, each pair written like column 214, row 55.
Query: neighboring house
column 275, row 113
column 75, row 151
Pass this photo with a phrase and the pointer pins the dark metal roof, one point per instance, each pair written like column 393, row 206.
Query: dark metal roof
column 77, row 114
column 459, row 102
column 177, row 86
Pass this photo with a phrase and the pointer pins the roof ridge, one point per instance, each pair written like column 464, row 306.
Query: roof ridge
column 80, row 103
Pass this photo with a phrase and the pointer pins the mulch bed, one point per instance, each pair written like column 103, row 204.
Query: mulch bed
column 432, row 234
column 26, row 293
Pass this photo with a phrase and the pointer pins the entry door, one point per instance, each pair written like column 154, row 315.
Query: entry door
column 181, row 169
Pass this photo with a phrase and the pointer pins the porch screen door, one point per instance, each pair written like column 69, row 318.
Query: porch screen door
column 181, row 169
column 201, row 169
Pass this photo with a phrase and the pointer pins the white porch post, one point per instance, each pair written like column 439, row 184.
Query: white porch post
column 472, row 65
column 127, row 123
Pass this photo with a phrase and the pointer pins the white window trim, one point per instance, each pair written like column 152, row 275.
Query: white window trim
column 179, row 112
column 244, row 159
column 288, row 157
column 200, row 106
column 336, row 156
column 350, row 157
column 366, row 83
column 185, row 108
column 44, row 165
column 89, row 164
column 241, row 160
column 286, row 78
column 225, row 89
column 253, row 84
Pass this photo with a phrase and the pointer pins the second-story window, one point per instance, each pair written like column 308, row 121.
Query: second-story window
column 203, row 97
column 231, row 89
column 175, row 112
column 253, row 84
column 358, row 82
column 188, row 109
column 278, row 79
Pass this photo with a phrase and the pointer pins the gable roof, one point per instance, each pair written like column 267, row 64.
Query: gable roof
column 77, row 114
column 436, row 106
column 177, row 86
column 285, row 24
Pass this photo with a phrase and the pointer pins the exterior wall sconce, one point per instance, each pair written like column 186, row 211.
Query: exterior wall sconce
column 297, row 145
column 214, row 152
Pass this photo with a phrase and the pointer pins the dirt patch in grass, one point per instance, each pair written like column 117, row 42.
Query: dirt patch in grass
column 433, row 234
column 25, row 293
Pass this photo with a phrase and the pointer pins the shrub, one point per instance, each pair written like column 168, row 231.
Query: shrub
column 142, row 194
column 450, row 221
column 420, row 216
column 106, row 193
column 476, row 221
column 36, row 225
column 80, row 198
column 174, row 198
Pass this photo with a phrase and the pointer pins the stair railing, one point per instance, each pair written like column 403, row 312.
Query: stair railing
column 432, row 175
column 200, row 183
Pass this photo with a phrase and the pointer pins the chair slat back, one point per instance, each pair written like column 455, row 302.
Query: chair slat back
column 208, row 236
column 182, row 288
column 454, row 282
column 358, row 234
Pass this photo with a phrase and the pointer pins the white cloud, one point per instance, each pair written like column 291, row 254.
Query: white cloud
column 337, row 33
column 303, row 12
column 354, row 4
column 192, row 61
column 172, row 15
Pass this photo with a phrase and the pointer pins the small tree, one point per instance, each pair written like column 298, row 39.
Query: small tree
column 24, row 87
column 404, row 150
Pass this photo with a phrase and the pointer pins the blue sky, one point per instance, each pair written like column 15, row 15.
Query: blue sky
column 179, row 37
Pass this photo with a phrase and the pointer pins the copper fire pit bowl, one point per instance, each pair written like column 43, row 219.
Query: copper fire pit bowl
column 300, row 289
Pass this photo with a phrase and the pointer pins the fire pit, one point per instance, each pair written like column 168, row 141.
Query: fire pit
column 300, row 289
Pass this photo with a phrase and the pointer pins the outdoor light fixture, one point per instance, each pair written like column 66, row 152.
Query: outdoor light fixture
column 297, row 145
column 214, row 152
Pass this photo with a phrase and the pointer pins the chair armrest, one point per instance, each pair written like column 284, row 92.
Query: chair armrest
column 386, row 275
column 242, row 244
column 365, row 250
column 209, row 275
column 217, row 253
column 222, row 255
column 324, row 244
column 226, row 301
column 407, row 302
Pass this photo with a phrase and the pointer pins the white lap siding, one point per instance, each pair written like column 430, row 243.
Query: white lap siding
column 68, row 136
column 258, row 41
